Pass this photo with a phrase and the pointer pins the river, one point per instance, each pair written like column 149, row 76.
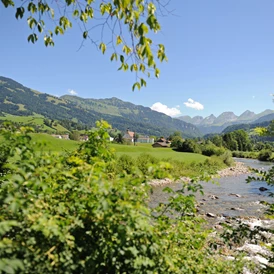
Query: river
column 228, row 196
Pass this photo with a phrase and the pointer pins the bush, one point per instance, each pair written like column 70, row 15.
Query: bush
column 213, row 164
column 190, row 146
column 211, row 149
column 227, row 158
column 176, row 142
column 265, row 155
column 63, row 214
column 144, row 161
column 126, row 164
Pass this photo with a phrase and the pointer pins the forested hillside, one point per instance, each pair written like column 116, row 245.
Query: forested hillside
column 19, row 100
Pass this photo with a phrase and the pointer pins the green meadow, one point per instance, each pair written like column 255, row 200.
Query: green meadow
column 33, row 120
column 159, row 153
column 58, row 145
column 46, row 142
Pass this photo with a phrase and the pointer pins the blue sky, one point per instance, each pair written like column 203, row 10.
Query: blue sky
column 220, row 58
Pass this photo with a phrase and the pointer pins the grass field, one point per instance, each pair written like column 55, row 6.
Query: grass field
column 33, row 120
column 159, row 153
column 53, row 144
column 60, row 145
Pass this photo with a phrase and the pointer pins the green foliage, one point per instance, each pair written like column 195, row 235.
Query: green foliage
column 74, row 135
column 227, row 158
column 119, row 138
column 75, row 113
column 245, row 154
column 176, row 141
column 189, row 146
column 265, row 155
column 135, row 51
column 217, row 140
column 144, row 161
column 68, row 214
column 125, row 164
column 210, row 149
column 230, row 142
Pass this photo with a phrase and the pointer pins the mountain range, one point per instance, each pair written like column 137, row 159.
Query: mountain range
column 17, row 99
column 213, row 124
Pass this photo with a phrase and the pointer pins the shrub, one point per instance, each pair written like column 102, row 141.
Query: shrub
column 176, row 142
column 211, row 149
column 63, row 214
column 190, row 146
column 227, row 158
column 265, row 155
column 126, row 164
column 144, row 161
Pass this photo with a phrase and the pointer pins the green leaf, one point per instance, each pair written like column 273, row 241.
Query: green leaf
column 85, row 34
column 32, row 38
column 118, row 40
column 84, row 17
column 76, row 13
column 7, row 3
column 143, row 29
column 157, row 73
column 113, row 56
column 122, row 58
column 137, row 84
column 52, row 13
column 134, row 67
column 40, row 29
column 143, row 82
column 103, row 47
column 142, row 67
column 19, row 12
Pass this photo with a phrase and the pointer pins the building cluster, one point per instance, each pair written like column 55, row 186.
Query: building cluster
column 129, row 136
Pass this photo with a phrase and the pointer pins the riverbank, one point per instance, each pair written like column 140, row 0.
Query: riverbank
column 232, row 207
column 238, row 169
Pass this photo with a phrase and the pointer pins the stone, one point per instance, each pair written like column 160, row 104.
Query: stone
column 213, row 197
column 236, row 195
column 236, row 208
column 263, row 188
column 211, row 215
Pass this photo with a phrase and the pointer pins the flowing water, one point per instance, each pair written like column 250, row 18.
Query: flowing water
column 226, row 202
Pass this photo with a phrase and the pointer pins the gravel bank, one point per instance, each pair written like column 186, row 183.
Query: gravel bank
column 238, row 169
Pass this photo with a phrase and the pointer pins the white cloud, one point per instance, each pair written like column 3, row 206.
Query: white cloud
column 72, row 92
column 192, row 104
column 253, row 97
column 165, row 109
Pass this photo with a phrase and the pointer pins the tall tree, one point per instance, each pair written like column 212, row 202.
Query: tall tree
column 125, row 28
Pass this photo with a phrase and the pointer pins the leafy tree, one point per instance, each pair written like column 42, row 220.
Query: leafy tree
column 229, row 141
column 217, row 140
column 175, row 134
column 74, row 135
column 190, row 145
column 125, row 28
column 119, row 138
column 176, row 141
column 242, row 139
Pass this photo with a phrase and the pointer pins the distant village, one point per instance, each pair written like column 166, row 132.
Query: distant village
column 129, row 137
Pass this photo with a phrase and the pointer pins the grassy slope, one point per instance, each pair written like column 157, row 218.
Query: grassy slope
column 160, row 153
column 53, row 144
column 35, row 119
